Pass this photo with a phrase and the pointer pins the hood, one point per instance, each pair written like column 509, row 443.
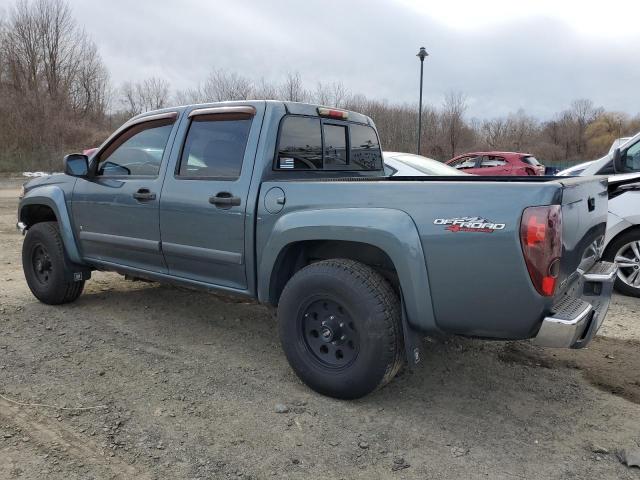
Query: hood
column 55, row 179
column 621, row 183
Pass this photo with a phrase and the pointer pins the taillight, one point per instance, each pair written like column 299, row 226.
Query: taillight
column 541, row 238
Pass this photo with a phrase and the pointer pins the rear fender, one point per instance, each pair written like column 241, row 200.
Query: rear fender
column 392, row 231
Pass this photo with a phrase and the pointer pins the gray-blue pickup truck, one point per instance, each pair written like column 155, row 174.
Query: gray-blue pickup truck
column 288, row 203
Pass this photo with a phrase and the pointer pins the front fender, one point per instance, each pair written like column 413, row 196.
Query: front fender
column 53, row 197
column 615, row 226
column 392, row 231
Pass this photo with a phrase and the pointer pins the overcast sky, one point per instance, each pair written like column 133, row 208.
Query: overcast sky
column 504, row 55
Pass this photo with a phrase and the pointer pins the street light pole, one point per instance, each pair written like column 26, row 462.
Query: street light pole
column 421, row 54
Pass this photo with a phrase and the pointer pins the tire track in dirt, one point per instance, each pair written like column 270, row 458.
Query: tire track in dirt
column 49, row 437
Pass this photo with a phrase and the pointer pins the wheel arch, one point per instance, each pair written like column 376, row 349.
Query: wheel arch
column 384, row 239
column 618, row 234
column 48, row 204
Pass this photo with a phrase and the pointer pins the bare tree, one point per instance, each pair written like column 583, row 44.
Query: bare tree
column 153, row 93
column 266, row 90
column 149, row 94
column 221, row 86
column 53, row 84
column 453, row 124
column 584, row 113
column 55, row 96
column 292, row 89
column 494, row 133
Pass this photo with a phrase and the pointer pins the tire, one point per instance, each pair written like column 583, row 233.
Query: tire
column 45, row 265
column 628, row 278
column 359, row 347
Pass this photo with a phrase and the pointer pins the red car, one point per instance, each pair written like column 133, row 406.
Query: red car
column 90, row 151
column 498, row 163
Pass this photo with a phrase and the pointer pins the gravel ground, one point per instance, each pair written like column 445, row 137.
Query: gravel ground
column 192, row 385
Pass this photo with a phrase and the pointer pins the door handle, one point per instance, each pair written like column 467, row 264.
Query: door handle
column 144, row 195
column 224, row 199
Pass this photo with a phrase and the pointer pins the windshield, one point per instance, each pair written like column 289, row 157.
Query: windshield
column 426, row 165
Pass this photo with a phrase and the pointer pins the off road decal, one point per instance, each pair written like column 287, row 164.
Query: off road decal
column 469, row 224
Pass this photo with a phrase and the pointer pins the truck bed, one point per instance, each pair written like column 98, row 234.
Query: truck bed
column 478, row 282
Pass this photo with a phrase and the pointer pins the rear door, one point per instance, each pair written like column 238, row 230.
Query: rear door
column 204, row 199
column 493, row 165
column 116, row 214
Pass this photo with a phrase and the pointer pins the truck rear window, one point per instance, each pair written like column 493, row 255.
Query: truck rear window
column 308, row 143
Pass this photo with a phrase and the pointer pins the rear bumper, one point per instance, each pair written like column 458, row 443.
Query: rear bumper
column 578, row 315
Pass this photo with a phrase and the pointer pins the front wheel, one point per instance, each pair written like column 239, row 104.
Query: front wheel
column 340, row 327
column 45, row 265
column 625, row 252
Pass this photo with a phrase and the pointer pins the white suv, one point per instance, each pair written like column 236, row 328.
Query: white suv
column 622, row 241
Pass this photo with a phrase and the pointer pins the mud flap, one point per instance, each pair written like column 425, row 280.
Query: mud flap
column 77, row 273
column 412, row 340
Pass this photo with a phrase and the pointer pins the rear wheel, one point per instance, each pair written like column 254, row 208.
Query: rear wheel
column 45, row 265
column 339, row 324
column 625, row 252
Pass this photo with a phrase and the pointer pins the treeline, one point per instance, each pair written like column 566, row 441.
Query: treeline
column 56, row 96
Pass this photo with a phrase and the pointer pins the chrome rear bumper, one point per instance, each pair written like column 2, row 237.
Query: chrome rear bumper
column 578, row 315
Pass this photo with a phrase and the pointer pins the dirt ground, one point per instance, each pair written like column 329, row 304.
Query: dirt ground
column 187, row 384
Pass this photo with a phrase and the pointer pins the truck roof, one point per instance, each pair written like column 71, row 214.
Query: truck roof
column 292, row 108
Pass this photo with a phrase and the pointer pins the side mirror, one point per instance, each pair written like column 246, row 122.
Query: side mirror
column 618, row 164
column 76, row 165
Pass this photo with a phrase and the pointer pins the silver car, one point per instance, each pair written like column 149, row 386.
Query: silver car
column 622, row 242
column 410, row 165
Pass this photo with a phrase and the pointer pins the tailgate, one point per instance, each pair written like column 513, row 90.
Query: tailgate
column 584, row 220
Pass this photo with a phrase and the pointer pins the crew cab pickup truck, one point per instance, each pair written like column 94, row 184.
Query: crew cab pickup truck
column 288, row 203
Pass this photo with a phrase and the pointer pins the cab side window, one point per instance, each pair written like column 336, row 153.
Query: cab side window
column 137, row 151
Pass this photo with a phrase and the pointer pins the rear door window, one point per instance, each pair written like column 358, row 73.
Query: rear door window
column 214, row 147
column 492, row 161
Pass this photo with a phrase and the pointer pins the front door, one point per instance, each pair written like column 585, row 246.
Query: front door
column 204, row 198
column 116, row 211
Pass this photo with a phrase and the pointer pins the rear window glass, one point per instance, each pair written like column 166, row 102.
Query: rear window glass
column 300, row 145
column 365, row 148
column 533, row 161
column 306, row 143
column 335, row 146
